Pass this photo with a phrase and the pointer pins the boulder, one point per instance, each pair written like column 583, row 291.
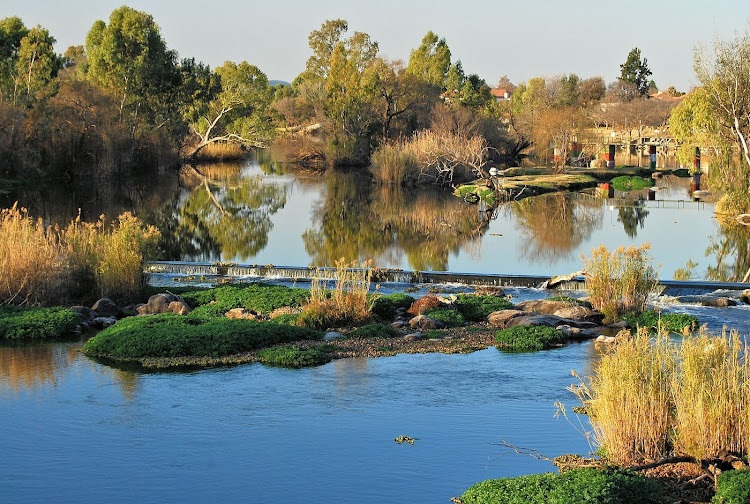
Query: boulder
column 103, row 322
column 499, row 319
column 606, row 339
column 531, row 320
column 241, row 313
column 85, row 314
column 576, row 312
column 719, row 302
column 105, row 307
column 423, row 322
column 546, row 306
column 284, row 310
column 416, row 336
column 578, row 333
column 333, row 335
column 164, row 302
column 745, row 296
column 399, row 324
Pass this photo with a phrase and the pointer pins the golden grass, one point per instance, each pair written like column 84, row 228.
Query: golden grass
column 620, row 281
column 393, row 164
column 346, row 303
column 219, row 151
column 49, row 265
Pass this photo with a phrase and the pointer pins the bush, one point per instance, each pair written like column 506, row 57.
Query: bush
column 579, row 486
column 292, row 356
column 36, row 323
column 385, row 306
column 423, row 304
column 373, row 331
column 620, row 281
column 529, row 339
column 669, row 322
column 477, row 308
column 451, row 317
column 631, row 183
column 169, row 335
column 257, row 297
column 733, row 487
column 392, row 165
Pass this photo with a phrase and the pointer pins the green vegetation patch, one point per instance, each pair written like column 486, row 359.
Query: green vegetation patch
column 546, row 183
column 529, row 339
column 373, row 331
column 654, row 320
column 733, row 487
column 17, row 323
column 385, row 306
column 169, row 335
column 449, row 316
column 292, row 356
column 257, row 297
column 582, row 486
column 631, row 183
column 477, row 308
column 473, row 193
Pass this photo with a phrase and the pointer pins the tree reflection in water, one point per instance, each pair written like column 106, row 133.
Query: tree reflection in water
column 731, row 253
column 555, row 224
column 224, row 214
column 633, row 215
column 359, row 221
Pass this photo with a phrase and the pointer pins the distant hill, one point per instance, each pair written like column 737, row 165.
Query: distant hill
column 283, row 83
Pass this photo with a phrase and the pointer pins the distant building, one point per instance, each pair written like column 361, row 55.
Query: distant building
column 501, row 94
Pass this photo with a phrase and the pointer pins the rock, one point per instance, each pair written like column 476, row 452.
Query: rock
column 284, row 310
column 424, row 322
column 241, row 313
column 546, row 306
column 399, row 324
column 413, row 337
column 103, row 322
column 578, row 333
column 490, row 291
column 85, row 314
column 105, row 307
column 701, row 194
column 333, row 335
column 164, row 302
column 719, row 302
column 606, row 339
column 622, row 324
column 423, row 304
column 531, row 320
column 499, row 319
column 745, row 296
column 575, row 312
column 555, row 281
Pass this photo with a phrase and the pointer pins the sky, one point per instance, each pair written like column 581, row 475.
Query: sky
column 518, row 38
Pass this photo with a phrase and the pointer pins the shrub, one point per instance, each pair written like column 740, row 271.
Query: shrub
column 619, row 281
column 529, row 339
column 169, row 335
column 293, row 356
column 579, row 486
column 286, row 319
column 654, row 321
column 423, row 304
column 36, row 323
column 392, row 164
column 451, row 317
column 257, row 297
column 385, row 306
column 476, row 308
column 631, row 183
column 373, row 331
column 733, row 487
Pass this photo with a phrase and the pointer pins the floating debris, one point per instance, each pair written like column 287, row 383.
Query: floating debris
column 405, row 439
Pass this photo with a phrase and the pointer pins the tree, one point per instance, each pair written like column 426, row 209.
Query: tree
column 37, row 64
column 12, row 31
column 635, row 71
column 431, row 60
column 591, row 90
column 239, row 111
column 322, row 43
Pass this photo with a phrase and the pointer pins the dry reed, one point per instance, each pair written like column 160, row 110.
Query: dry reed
column 346, row 303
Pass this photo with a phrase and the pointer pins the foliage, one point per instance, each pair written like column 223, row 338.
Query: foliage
column 473, row 193
column 476, row 308
column 373, row 331
column 631, row 183
column 635, row 71
column 35, row 323
column 656, row 321
column 449, row 316
column 581, row 486
column 256, row 297
column 170, row 335
column 431, row 60
column 619, row 281
column 529, row 338
column 732, row 487
column 385, row 306
column 292, row 356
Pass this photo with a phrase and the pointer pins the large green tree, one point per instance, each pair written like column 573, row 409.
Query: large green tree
column 635, row 71
column 431, row 60
column 37, row 64
column 12, row 31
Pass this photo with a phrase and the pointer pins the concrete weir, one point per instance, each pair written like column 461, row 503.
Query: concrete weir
column 216, row 273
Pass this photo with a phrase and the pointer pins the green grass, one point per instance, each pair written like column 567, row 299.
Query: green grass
column 579, row 486
column 19, row 324
column 169, row 336
column 653, row 320
column 529, row 339
column 477, row 308
column 631, row 183
column 258, row 297
column 733, row 487
column 385, row 306
column 373, row 331
column 449, row 316
column 292, row 356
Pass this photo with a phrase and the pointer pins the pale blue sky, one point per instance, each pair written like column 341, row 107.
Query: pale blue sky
column 522, row 39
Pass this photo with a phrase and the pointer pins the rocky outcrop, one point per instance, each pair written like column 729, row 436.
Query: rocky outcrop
column 105, row 307
column 499, row 319
column 164, row 302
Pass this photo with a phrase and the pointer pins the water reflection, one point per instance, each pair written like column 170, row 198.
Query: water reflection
column 729, row 253
column 31, row 367
column 555, row 225
column 357, row 220
column 632, row 216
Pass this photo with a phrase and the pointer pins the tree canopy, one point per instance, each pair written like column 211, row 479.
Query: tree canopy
column 635, row 71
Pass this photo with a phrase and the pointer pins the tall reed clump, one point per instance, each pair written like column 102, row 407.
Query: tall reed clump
column 347, row 303
column 620, row 281
column 393, row 164
column 108, row 258
column 31, row 261
column 711, row 397
column 628, row 399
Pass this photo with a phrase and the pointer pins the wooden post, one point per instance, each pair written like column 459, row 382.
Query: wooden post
column 652, row 157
